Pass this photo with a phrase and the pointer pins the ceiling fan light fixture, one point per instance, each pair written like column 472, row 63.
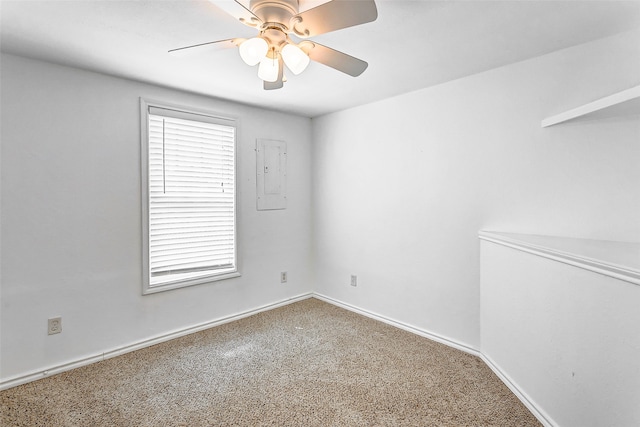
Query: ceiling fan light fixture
column 295, row 58
column 268, row 69
column 253, row 50
column 276, row 20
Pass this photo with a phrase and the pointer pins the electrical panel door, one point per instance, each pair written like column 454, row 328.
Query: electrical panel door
column 271, row 163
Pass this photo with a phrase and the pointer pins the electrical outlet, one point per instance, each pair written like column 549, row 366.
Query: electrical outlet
column 283, row 277
column 54, row 325
column 354, row 280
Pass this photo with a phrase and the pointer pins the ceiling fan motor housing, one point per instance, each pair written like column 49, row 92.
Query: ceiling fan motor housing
column 280, row 11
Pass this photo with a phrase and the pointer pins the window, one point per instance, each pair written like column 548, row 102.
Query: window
column 189, row 197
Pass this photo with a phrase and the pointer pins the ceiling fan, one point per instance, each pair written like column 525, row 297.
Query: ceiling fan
column 275, row 20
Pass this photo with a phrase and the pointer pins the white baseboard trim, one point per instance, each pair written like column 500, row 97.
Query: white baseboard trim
column 542, row 416
column 405, row 326
column 56, row 369
column 523, row 397
column 528, row 402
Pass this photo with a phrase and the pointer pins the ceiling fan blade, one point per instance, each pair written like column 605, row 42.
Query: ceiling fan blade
column 334, row 15
column 204, row 47
column 238, row 11
column 334, row 58
column 278, row 83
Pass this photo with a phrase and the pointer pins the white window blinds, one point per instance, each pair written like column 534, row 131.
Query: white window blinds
column 191, row 192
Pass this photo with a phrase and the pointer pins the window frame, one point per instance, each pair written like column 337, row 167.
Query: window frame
column 147, row 288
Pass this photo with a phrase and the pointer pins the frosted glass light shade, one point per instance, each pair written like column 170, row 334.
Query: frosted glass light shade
column 268, row 69
column 253, row 50
column 295, row 58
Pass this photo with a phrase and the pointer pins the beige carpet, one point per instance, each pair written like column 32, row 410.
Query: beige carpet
column 306, row 364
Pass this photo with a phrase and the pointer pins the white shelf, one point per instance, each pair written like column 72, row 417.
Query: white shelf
column 615, row 259
column 619, row 104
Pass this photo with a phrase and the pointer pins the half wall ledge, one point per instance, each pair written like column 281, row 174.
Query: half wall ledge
column 620, row 260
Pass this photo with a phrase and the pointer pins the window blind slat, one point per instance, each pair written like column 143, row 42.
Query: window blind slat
column 170, row 248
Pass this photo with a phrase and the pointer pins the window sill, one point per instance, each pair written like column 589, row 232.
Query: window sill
column 188, row 282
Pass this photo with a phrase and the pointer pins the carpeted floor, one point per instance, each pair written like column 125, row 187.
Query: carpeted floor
column 305, row 364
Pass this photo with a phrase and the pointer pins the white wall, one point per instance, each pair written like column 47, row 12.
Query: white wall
column 567, row 336
column 400, row 189
column 71, row 217
column 402, row 186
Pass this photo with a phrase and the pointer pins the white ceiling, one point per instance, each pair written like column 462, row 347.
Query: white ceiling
column 412, row 44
